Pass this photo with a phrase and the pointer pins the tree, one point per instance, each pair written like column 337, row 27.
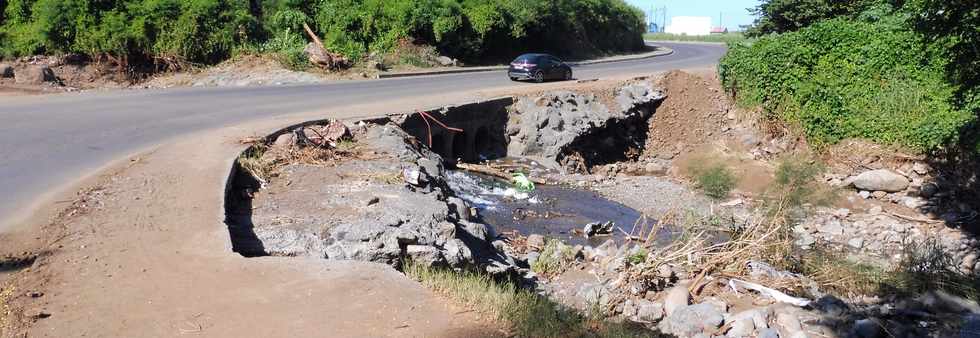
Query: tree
column 779, row 16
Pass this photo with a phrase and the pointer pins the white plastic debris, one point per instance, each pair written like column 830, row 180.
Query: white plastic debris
column 772, row 293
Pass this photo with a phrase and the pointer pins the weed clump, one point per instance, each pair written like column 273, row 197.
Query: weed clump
column 555, row 258
column 716, row 180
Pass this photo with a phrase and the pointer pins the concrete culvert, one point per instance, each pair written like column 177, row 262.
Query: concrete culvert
column 482, row 142
column 460, row 150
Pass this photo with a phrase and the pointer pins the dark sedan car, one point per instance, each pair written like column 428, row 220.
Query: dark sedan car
column 539, row 67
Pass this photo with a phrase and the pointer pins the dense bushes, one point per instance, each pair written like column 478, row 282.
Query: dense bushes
column 209, row 30
column 843, row 78
column 195, row 30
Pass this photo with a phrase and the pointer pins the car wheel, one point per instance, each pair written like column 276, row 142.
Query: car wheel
column 539, row 76
column 513, row 78
column 568, row 75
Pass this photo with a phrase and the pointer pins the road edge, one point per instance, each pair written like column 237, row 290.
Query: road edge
column 661, row 51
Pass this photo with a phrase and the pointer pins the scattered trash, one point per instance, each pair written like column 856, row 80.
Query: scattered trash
column 599, row 229
column 773, row 293
column 522, row 183
column 413, row 176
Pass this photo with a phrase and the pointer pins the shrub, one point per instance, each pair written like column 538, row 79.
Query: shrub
column 842, row 79
column 554, row 259
column 716, row 180
column 796, row 183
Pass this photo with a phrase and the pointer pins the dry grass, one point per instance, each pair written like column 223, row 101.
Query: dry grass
column 525, row 313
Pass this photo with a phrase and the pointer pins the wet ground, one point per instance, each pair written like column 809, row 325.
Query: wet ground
column 554, row 211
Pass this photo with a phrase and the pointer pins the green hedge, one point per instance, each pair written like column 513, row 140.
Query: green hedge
column 841, row 78
column 209, row 31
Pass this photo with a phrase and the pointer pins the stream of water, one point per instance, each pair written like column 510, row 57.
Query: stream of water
column 550, row 210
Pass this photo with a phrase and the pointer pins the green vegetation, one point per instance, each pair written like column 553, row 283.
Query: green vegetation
column 857, row 69
column 796, row 184
column 554, row 259
column 209, row 31
column 722, row 38
column 526, row 313
column 716, row 180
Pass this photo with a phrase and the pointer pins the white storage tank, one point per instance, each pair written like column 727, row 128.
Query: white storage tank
column 689, row 25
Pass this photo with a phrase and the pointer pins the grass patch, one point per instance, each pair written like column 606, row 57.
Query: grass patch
column 555, row 258
column 715, row 180
column 252, row 161
column 721, row 38
column 525, row 313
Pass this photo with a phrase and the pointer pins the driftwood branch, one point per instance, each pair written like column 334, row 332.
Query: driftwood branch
column 480, row 169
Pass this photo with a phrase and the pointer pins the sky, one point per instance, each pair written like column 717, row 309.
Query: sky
column 733, row 12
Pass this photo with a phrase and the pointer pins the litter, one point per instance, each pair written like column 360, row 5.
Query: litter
column 773, row 293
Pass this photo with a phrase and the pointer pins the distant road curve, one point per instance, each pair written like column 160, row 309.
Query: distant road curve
column 48, row 141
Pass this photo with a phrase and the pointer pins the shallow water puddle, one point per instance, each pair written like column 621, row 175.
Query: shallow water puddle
column 552, row 211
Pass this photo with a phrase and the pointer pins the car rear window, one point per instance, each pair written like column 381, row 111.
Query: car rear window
column 526, row 59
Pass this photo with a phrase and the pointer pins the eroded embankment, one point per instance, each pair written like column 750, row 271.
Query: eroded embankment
column 436, row 187
column 377, row 190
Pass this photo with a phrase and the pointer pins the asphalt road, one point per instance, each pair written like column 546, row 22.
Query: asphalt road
column 49, row 141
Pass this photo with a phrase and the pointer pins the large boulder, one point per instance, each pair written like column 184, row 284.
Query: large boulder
column 693, row 320
column 881, row 180
column 35, row 75
column 6, row 71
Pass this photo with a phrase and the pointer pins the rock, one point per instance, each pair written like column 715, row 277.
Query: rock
column 597, row 228
column 38, row 314
column 920, row 168
column 445, row 61
column 856, row 242
column 767, row 333
column 867, row 328
column 842, row 213
column 928, row 190
column 881, row 180
column 424, row 254
column 35, row 75
column 535, row 242
column 629, row 309
column 864, row 194
column 638, row 94
column 653, row 168
column 831, row 227
column 741, row 328
column 6, row 71
column 941, row 301
column 692, row 320
column 805, row 240
column 676, row 298
column 650, row 312
column 285, row 141
column 532, row 257
column 790, row 323
column 913, row 202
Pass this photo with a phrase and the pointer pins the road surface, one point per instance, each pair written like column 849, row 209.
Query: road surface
column 49, row 141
